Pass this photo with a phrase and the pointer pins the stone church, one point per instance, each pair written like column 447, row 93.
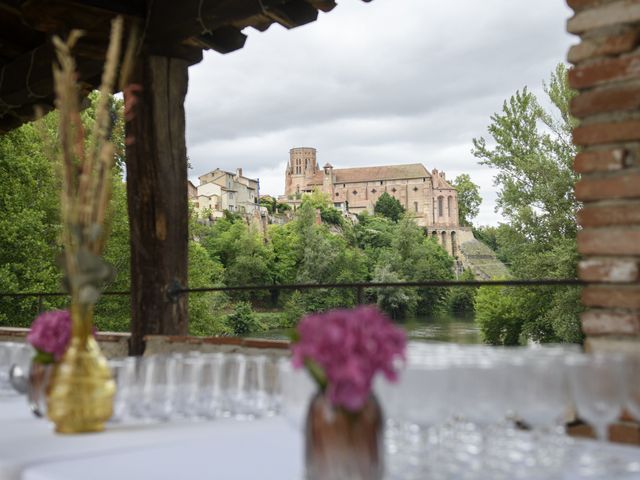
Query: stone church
column 427, row 196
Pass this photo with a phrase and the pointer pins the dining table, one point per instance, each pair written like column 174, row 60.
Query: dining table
column 225, row 448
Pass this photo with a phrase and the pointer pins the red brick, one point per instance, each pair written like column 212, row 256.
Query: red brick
column 265, row 343
column 610, row 322
column 616, row 13
column 610, row 241
column 616, row 69
column 582, row 4
column 611, row 214
column 600, row 133
column 609, row 270
column 596, row 47
column 619, row 186
column 623, row 296
column 605, row 101
column 600, row 160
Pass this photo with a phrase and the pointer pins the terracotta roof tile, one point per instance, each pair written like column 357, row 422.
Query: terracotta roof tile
column 367, row 174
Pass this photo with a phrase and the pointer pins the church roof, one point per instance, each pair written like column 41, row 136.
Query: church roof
column 439, row 181
column 385, row 172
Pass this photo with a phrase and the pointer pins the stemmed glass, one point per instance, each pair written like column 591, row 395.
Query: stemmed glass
column 597, row 385
column 632, row 383
column 210, row 386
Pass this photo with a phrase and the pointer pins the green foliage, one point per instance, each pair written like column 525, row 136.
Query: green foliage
column 531, row 150
column 389, row 207
column 498, row 315
column 113, row 313
column 461, row 298
column 469, row 198
column 29, row 223
column 242, row 320
column 294, row 309
column 399, row 303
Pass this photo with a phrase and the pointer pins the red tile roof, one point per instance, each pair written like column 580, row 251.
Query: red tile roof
column 372, row 174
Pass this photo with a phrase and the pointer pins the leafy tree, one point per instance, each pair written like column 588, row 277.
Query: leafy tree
column 389, row 207
column 469, row 199
column 533, row 155
column 498, row 315
column 29, row 223
column 399, row 303
column 242, row 320
column 461, row 298
column 532, row 152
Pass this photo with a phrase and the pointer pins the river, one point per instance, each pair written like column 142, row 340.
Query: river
column 443, row 328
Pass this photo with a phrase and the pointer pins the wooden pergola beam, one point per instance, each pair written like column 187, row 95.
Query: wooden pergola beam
column 157, row 200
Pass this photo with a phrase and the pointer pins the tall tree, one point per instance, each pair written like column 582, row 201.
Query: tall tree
column 469, row 199
column 389, row 207
column 532, row 152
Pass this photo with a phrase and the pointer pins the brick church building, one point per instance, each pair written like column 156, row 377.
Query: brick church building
column 427, row 196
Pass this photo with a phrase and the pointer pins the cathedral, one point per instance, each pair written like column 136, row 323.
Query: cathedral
column 427, row 196
column 431, row 200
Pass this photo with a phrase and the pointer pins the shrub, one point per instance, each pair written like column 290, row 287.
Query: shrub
column 242, row 320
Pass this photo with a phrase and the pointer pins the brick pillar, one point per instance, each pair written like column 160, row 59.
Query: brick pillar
column 606, row 74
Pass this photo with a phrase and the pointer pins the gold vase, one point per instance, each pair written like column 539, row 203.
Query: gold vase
column 81, row 386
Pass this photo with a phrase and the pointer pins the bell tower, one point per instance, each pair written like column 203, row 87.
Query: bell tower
column 301, row 169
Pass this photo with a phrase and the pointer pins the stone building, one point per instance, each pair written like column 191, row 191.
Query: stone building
column 220, row 190
column 428, row 196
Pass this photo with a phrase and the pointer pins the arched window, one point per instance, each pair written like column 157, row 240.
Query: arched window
column 454, row 249
column 440, row 206
column 415, row 205
column 443, row 236
column 449, row 205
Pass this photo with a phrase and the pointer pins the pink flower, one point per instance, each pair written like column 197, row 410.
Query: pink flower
column 350, row 347
column 51, row 332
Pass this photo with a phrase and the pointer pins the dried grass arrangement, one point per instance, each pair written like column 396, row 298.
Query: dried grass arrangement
column 81, row 394
column 86, row 167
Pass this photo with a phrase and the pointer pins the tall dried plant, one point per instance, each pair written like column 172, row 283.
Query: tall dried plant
column 86, row 167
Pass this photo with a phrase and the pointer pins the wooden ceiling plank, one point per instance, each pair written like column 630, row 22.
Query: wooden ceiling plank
column 323, row 5
column 223, row 40
column 293, row 13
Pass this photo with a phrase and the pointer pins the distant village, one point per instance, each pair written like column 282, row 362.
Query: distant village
column 427, row 196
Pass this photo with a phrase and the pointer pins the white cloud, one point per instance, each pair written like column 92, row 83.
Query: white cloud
column 392, row 81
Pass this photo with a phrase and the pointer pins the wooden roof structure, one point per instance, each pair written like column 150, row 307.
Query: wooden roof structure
column 173, row 35
column 179, row 29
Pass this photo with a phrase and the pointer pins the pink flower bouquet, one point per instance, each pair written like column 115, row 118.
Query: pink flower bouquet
column 344, row 349
column 50, row 334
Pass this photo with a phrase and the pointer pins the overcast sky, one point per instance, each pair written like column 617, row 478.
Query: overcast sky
column 386, row 82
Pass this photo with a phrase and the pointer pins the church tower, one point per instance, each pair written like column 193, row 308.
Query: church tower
column 301, row 169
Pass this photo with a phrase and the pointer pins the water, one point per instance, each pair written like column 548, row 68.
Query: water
column 443, row 328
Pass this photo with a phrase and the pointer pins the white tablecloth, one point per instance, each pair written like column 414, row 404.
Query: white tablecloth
column 266, row 449
column 223, row 449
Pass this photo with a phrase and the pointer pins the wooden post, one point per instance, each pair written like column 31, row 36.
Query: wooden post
column 157, row 199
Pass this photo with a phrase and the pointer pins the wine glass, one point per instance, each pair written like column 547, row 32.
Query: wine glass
column 210, row 391
column 632, row 383
column 597, row 386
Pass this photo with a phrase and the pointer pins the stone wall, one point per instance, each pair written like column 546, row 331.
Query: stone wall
column 606, row 74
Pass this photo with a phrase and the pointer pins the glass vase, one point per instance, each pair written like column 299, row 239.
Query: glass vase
column 343, row 445
column 37, row 387
column 81, row 387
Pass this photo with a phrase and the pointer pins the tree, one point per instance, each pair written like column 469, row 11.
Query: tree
column 532, row 152
column 389, row 207
column 469, row 199
column 29, row 222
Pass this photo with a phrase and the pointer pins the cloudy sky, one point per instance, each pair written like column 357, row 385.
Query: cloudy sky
column 386, row 82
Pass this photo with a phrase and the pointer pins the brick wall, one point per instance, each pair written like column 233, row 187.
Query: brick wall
column 606, row 73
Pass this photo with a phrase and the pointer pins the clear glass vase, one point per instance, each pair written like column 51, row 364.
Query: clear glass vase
column 343, row 445
column 38, row 386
